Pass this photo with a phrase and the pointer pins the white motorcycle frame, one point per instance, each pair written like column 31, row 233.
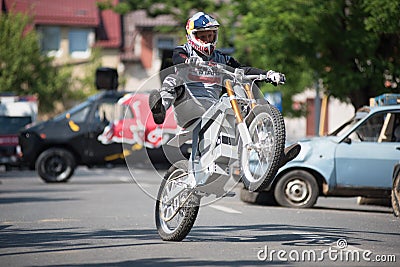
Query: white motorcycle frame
column 214, row 147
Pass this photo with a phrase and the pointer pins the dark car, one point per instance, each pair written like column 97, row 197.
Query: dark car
column 92, row 134
column 55, row 147
column 9, row 127
column 105, row 130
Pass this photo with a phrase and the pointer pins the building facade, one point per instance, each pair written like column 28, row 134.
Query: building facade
column 70, row 31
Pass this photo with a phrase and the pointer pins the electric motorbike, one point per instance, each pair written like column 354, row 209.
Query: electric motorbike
column 242, row 136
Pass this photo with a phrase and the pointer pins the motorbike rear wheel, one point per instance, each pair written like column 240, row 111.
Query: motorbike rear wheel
column 260, row 161
column 173, row 222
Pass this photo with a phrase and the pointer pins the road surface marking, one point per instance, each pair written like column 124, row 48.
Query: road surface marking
column 224, row 209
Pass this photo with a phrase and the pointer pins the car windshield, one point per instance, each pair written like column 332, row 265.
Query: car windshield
column 11, row 125
column 122, row 112
column 74, row 110
column 346, row 126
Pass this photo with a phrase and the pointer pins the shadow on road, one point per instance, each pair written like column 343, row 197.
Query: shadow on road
column 70, row 239
column 370, row 210
column 77, row 239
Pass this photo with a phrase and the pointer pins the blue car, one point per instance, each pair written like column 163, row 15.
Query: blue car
column 355, row 160
column 396, row 190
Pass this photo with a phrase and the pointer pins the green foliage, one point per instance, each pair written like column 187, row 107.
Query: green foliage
column 352, row 45
column 384, row 16
column 19, row 55
column 269, row 34
column 88, row 80
column 25, row 71
column 349, row 44
column 78, row 87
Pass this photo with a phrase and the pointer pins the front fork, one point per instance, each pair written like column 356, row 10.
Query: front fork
column 241, row 125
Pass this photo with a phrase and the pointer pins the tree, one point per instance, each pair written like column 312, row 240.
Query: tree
column 231, row 34
column 352, row 45
column 24, row 70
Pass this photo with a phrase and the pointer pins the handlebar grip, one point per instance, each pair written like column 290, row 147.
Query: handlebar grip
column 259, row 77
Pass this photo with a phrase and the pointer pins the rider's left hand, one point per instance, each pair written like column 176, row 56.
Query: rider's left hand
column 275, row 77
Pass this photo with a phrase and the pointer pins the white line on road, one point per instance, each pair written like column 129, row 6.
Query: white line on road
column 126, row 179
column 224, row 209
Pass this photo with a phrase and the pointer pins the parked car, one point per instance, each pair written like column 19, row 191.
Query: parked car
column 396, row 190
column 9, row 127
column 92, row 134
column 15, row 113
column 355, row 160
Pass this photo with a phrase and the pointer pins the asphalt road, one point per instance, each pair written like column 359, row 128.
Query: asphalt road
column 105, row 217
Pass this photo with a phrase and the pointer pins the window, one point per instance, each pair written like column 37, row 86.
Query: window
column 50, row 38
column 106, row 112
column 123, row 112
column 79, row 43
column 80, row 115
column 381, row 127
column 11, row 125
column 164, row 43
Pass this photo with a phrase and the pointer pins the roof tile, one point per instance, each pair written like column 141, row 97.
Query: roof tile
column 79, row 13
column 58, row 12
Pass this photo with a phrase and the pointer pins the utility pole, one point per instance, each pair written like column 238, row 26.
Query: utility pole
column 317, row 107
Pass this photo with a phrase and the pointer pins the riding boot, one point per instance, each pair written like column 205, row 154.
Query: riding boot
column 289, row 154
column 180, row 92
column 156, row 107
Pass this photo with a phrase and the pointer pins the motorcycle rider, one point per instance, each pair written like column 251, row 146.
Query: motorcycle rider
column 192, row 99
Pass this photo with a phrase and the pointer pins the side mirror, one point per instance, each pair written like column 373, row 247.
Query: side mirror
column 106, row 78
column 347, row 140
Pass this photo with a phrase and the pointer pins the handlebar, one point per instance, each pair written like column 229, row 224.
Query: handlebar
column 237, row 74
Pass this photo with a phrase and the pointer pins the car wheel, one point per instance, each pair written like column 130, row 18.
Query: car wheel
column 55, row 165
column 296, row 189
column 260, row 198
column 396, row 195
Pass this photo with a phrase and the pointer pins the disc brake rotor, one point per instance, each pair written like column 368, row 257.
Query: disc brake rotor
column 170, row 207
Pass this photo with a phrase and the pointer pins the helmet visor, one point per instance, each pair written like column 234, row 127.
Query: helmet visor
column 206, row 36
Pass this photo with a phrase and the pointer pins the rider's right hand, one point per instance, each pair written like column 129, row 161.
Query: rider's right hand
column 193, row 61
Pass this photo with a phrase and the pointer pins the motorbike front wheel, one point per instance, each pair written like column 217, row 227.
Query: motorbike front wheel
column 260, row 160
column 174, row 220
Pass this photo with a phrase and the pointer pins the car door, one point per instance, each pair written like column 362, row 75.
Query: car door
column 71, row 129
column 101, row 148
column 366, row 158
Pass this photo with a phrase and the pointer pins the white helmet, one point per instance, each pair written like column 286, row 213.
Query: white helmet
column 201, row 22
